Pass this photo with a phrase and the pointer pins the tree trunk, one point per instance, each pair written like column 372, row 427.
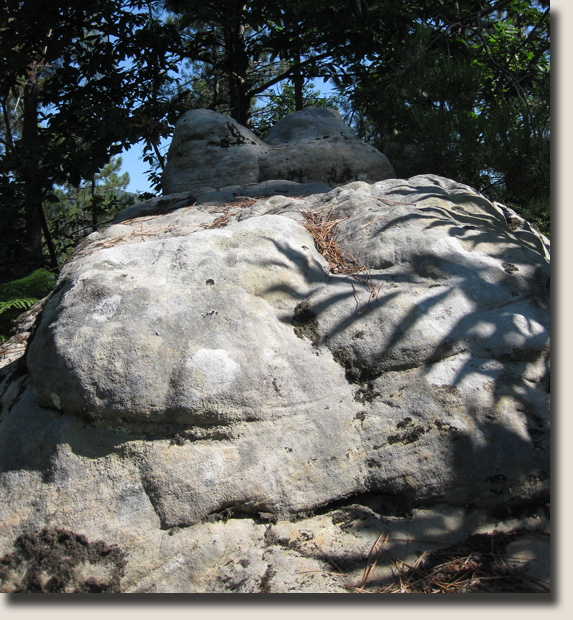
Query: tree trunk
column 94, row 202
column 216, row 83
column 298, row 84
column 34, row 186
column 33, row 194
column 237, row 67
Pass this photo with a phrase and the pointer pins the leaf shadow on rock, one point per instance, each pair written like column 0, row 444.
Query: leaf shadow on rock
column 311, row 270
column 495, row 339
column 496, row 464
column 504, row 461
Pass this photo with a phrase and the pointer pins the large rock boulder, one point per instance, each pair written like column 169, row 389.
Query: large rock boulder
column 210, row 150
column 218, row 397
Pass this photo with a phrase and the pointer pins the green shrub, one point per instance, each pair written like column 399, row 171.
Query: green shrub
column 19, row 295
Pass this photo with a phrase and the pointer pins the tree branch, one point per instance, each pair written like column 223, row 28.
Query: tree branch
column 468, row 17
column 9, row 142
column 286, row 74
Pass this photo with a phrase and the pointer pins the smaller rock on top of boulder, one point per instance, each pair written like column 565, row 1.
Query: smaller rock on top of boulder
column 310, row 146
column 310, row 124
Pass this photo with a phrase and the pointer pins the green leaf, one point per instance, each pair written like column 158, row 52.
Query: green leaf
column 17, row 304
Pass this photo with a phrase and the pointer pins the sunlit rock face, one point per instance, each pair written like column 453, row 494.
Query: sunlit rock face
column 215, row 368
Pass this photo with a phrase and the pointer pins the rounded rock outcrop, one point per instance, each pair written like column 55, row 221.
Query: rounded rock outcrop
column 226, row 386
column 210, row 150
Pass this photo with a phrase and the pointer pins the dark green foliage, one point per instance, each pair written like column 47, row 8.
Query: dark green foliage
column 75, row 212
column 238, row 49
column 283, row 102
column 18, row 295
column 464, row 93
column 79, row 82
column 459, row 89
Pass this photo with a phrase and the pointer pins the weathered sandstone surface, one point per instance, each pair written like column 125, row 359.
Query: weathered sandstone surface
column 211, row 151
column 208, row 403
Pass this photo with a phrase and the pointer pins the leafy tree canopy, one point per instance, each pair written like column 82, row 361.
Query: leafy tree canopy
column 79, row 81
column 464, row 93
column 458, row 88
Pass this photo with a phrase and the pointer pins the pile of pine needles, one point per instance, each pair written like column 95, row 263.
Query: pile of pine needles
column 328, row 241
column 323, row 229
column 474, row 566
column 231, row 209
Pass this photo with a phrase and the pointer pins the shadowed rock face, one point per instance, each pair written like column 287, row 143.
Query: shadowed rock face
column 208, row 363
column 210, row 150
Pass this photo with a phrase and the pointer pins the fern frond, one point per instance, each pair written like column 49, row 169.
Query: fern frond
column 36, row 284
column 17, row 304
